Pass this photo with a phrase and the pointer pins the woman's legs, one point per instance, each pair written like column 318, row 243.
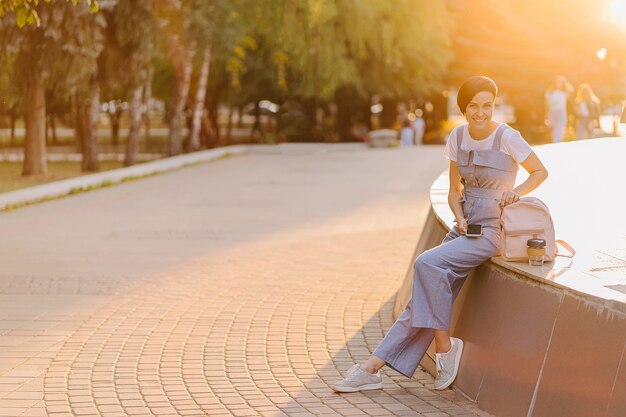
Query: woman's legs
column 558, row 123
column 442, row 345
column 439, row 274
column 581, row 128
column 442, row 341
column 373, row 364
column 585, row 128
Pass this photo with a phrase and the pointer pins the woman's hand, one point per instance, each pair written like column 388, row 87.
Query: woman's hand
column 462, row 225
column 508, row 197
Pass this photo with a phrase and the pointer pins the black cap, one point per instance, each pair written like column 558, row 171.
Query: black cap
column 536, row 243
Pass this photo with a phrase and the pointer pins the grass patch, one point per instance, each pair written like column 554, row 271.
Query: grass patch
column 73, row 191
column 11, row 178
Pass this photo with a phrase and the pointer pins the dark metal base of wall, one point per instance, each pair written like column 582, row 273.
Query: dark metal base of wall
column 531, row 349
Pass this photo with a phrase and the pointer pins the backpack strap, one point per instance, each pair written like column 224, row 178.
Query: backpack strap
column 567, row 246
column 497, row 141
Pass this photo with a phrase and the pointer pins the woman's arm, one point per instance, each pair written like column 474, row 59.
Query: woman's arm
column 537, row 174
column 455, row 197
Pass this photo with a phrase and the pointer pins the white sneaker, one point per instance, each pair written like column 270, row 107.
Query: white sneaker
column 448, row 364
column 358, row 379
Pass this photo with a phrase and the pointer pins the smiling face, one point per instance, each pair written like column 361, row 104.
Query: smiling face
column 479, row 110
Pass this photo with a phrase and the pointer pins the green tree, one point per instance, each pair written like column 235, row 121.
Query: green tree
column 179, row 48
column 324, row 45
column 201, row 26
column 124, row 64
column 41, row 59
column 217, row 28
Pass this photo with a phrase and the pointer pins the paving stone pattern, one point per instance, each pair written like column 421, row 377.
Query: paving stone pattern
column 242, row 287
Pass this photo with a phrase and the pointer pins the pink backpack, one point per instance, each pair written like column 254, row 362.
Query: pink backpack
column 528, row 218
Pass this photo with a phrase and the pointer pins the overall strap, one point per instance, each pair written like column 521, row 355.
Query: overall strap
column 497, row 141
column 459, row 137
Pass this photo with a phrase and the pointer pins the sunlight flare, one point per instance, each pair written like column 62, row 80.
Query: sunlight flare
column 618, row 11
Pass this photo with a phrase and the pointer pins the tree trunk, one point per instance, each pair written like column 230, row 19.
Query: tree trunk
column 365, row 111
column 47, row 129
column 135, row 125
column 205, row 131
column 53, row 130
column 215, row 136
column 309, row 107
column 78, row 125
column 440, row 109
column 35, row 124
column 183, row 79
column 115, row 118
column 229, row 124
column 148, row 104
column 13, row 120
column 198, row 105
column 389, row 115
column 88, row 114
column 347, row 100
column 240, row 117
column 51, row 138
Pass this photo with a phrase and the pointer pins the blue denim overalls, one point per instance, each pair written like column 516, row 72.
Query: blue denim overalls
column 440, row 272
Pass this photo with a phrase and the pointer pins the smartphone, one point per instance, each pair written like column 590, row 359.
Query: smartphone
column 474, row 230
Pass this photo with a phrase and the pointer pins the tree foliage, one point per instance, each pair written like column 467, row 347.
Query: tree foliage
column 391, row 48
column 59, row 55
column 26, row 10
column 63, row 48
column 129, row 46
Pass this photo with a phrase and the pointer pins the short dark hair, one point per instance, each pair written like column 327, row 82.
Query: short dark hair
column 471, row 87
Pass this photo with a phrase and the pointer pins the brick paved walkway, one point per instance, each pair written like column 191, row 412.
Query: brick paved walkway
column 240, row 287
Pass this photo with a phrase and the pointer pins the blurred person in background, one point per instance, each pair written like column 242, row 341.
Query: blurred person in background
column 419, row 125
column 587, row 111
column 359, row 131
column 556, row 102
column 406, row 133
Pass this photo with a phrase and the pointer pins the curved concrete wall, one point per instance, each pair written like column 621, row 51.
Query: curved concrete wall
column 533, row 347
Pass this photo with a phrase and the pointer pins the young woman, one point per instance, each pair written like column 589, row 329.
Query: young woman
column 587, row 111
column 484, row 157
column 556, row 103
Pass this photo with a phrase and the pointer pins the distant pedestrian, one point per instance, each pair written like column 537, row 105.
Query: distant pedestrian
column 556, row 101
column 587, row 111
column 406, row 134
column 419, row 125
column 359, row 131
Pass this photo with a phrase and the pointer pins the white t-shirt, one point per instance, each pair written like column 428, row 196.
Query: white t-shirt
column 512, row 143
column 557, row 100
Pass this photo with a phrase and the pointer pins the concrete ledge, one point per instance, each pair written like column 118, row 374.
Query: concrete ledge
column 77, row 157
column 64, row 187
column 548, row 341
